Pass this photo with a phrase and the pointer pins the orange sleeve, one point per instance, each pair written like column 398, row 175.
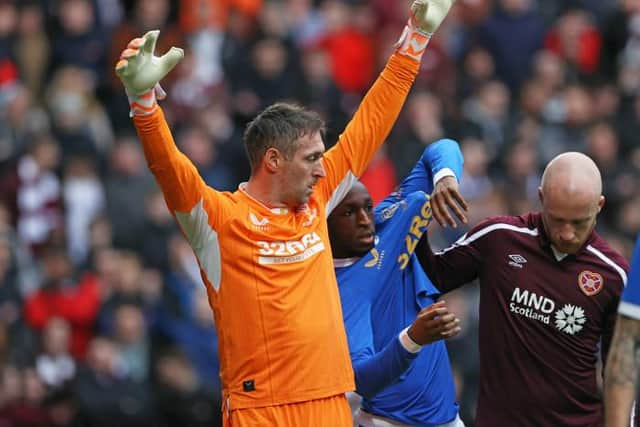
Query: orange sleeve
column 368, row 128
column 178, row 178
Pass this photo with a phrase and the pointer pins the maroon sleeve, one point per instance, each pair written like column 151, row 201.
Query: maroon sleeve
column 607, row 334
column 458, row 264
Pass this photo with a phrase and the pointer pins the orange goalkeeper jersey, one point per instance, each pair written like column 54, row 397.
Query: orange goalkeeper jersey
column 269, row 274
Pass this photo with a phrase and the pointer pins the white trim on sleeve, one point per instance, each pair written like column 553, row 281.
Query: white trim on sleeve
column 629, row 309
column 444, row 172
column 609, row 261
column 405, row 340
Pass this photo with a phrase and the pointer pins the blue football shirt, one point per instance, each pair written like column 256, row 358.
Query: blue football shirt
column 630, row 299
column 383, row 292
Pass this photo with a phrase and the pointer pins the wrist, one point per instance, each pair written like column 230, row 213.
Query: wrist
column 407, row 342
column 144, row 103
column 443, row 173
column 412, row 42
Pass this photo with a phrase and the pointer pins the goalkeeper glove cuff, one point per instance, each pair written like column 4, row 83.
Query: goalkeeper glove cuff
column 146, row 103
column 412, row 42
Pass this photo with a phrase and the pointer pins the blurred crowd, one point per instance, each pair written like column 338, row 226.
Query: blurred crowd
column 103, row 317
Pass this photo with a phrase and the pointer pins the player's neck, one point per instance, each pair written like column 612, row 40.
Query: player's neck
column 264, row 192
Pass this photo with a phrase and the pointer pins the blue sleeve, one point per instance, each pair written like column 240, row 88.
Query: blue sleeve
column 374, row 370
column 380, row 370
column 444, row 153
column 630, row 300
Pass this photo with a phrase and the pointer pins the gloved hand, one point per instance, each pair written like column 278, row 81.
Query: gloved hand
column 424, row 19
column 141, row 71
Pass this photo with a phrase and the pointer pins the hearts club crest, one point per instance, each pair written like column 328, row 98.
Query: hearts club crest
column 590, row 283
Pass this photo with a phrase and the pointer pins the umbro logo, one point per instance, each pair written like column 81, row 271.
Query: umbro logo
column 516, row 260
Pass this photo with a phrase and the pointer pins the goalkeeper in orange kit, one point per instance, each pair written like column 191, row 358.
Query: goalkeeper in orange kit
column 263, row 250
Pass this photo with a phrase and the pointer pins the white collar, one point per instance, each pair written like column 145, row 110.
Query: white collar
column 559, row 255
column 344, row 262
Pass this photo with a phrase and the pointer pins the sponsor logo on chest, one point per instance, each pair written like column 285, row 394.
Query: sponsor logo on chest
column 418, row 226
column 290, row 251
column 568, row 318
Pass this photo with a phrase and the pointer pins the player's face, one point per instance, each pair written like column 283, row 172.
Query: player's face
column 302, row 172
column 568, row 223
column 351, row 224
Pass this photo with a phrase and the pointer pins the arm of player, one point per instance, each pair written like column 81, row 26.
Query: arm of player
column 379, row 109
column 375, row 372
column 140, row 72
column 621, row 372
column 439, row 159
column 455, row 266
column 437, row 173
column 446, row 161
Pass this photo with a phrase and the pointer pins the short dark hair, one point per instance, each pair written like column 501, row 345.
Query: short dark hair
column 279, row 126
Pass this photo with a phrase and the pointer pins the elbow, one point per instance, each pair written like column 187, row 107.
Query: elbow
column 365, row 390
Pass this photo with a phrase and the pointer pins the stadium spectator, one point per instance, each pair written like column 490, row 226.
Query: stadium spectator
column 512, row 34
column 549, row 288
column 67, row 294
column 105, row 394
column 181, row 398
column 78, row 40
column 26, row 406
column 84, row 199
column 577, row 40
column 55, row 365
column 32, row 46
column 127, row 184
column 30, row 190
column 195, row 337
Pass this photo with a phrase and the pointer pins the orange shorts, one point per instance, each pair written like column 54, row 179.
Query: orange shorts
column 332, row 411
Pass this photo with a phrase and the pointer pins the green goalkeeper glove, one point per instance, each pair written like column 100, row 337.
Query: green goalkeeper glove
column 141, row 71
column 424, row 19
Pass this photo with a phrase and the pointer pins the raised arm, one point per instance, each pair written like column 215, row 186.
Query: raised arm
column 437, row 173
column 186, row 194
column 439, row 159
column 379, row 109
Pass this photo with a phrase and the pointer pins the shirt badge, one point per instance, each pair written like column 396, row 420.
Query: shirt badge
column 590, row 283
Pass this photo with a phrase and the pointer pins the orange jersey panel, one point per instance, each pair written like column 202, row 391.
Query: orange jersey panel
column 269, row 275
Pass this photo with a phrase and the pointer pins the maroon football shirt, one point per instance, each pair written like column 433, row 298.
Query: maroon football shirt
column 541, row 320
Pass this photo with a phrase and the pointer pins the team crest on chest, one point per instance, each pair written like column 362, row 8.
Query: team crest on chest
column 590, row 283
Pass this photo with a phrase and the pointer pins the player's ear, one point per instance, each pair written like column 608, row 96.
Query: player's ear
column 601, row 201
column 540, row 195
column 272, row 159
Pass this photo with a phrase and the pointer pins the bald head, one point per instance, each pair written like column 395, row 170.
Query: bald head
column 571, row 197
column 572, row 174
